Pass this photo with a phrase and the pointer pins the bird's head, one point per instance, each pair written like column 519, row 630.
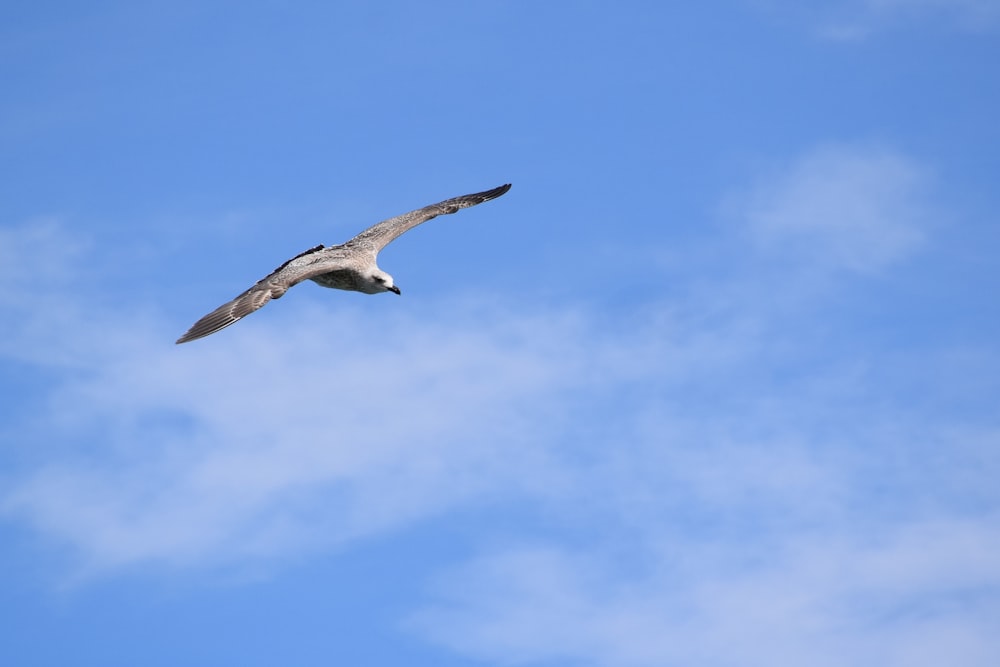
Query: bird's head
column 380, row 281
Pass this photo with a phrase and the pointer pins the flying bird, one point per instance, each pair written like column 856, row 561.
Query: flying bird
column 349, row 266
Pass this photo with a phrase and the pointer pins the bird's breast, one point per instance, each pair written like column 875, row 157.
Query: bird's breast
column 340, row 279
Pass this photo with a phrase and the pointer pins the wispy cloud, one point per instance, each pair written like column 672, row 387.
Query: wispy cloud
column 968, row 14
column 915, row 595
column 793, row 508
column 858, row 19
column 854, row 208
column 713, row 479
column 276, row 441
column 760, row 539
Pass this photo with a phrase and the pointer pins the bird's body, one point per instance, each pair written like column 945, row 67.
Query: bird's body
column 350, row 266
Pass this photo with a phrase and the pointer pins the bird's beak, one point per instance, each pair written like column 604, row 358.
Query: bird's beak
column 394, row 289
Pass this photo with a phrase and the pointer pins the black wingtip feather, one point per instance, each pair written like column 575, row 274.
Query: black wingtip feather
column 495, row 192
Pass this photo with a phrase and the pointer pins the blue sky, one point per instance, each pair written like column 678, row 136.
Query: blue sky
column 716, row 382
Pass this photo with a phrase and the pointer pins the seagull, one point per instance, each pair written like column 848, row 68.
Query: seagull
column 348, row 266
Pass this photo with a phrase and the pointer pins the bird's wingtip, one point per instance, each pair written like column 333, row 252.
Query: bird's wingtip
column 495, row 192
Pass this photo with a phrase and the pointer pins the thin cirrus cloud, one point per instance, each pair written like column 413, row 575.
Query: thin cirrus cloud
column 770, row 522
column 347, row 425
column 718, row 479
column 852, row 20
column 841, row 208
column 247, row 449
column 969, row 13
column 908, row 597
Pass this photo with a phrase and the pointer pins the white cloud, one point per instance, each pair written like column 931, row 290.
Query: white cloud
column 826, row 534
column 859, row 19
column 840, row 207
column 971, row 14
column 268, row 439
column 269, row 442
column 735, row 518
column 917, row 595
column 711, row 481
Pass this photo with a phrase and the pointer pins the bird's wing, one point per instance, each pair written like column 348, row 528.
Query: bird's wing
column 381, row 234
column 303, row 266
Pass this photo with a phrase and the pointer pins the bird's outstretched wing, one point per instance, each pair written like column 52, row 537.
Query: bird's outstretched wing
column 381, row 234
column 305, row 265
column 320, row 259
column 230, row 313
